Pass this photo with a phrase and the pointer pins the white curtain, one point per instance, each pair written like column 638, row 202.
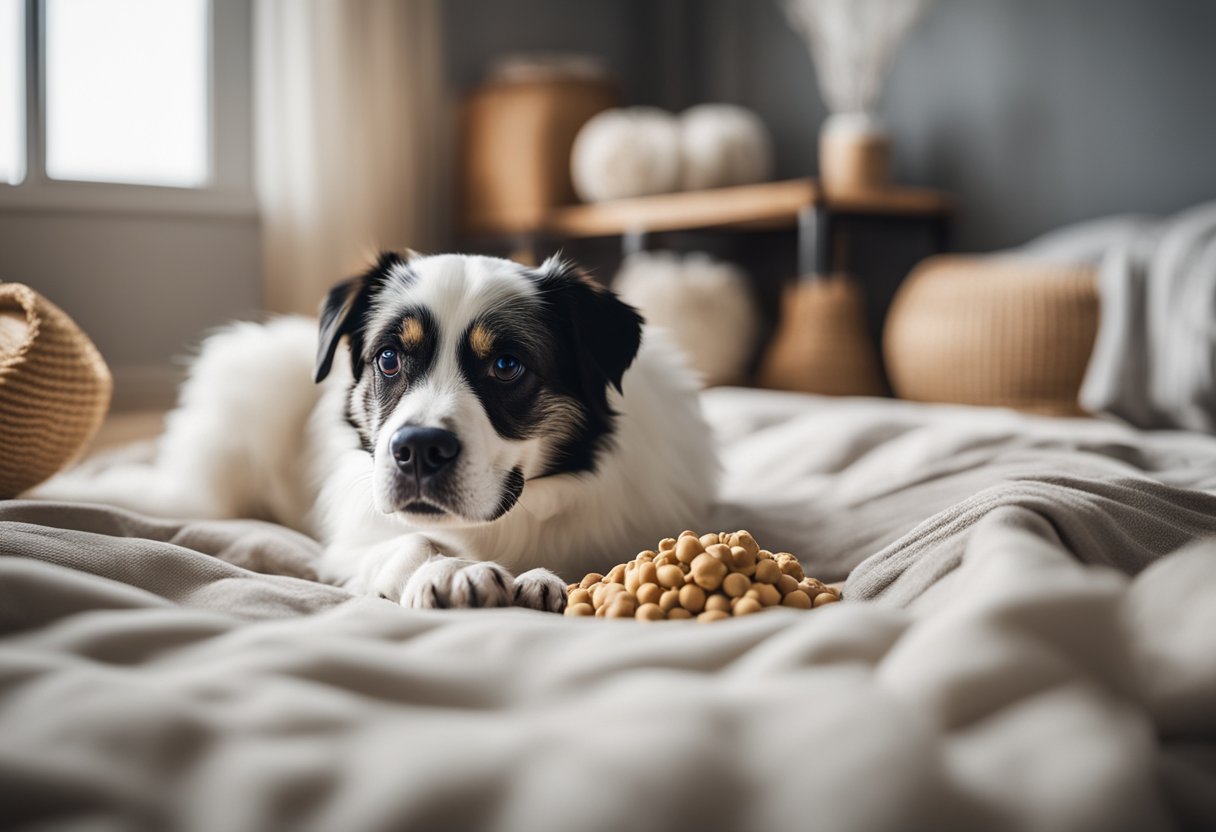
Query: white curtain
column 352, row 129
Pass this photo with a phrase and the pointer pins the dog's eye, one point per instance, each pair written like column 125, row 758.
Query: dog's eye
column 389, row 362
column 507, row 368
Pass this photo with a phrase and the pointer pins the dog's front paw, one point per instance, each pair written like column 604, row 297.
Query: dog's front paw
column 444, row 582
column 540, row 589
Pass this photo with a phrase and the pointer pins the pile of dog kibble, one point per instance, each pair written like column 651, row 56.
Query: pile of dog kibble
column 710, row 577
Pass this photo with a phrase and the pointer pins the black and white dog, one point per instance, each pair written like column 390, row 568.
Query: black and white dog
column 478, row 426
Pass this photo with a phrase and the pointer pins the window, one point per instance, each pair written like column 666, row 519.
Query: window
column 125, row 103
column 126, row 91
column 12, row 91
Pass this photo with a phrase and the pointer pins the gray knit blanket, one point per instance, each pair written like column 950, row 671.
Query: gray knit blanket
column 1154, row 361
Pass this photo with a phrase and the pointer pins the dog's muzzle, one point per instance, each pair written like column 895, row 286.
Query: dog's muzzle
column 424, row 459
column 422, row 453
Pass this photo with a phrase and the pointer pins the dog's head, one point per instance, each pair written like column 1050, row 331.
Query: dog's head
column 473, row 375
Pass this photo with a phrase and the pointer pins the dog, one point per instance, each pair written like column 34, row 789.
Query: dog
column 470, row 431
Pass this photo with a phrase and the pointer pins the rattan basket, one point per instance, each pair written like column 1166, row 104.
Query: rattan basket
column 54, row 389
column 998, row 331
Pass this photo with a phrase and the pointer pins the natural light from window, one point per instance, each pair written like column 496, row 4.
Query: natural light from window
column 12, row 91
column 127, row 91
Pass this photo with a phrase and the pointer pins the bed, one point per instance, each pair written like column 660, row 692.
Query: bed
column 1028, row 642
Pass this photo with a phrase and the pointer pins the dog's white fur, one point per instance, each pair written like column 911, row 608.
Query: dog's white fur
column 254, row 437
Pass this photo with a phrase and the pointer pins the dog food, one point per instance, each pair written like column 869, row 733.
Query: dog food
column 707, row 577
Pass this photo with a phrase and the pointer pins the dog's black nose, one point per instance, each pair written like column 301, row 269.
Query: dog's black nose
column 423, row 451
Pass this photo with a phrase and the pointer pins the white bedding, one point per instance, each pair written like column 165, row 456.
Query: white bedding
column 995, row 682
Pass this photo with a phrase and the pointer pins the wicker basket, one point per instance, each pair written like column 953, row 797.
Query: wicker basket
column 997, row 331
column 822, row 345
column 54, row 389
column 517, row 141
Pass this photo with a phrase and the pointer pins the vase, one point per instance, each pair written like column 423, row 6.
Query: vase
column 821, row 345
column 854, row 153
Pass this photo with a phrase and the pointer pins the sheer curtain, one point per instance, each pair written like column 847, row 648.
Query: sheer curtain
column 352, row 124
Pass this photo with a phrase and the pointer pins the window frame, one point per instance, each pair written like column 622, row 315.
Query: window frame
column 229, row 189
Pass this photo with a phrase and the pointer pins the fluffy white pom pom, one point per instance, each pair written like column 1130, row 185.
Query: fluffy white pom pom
column 705, row 304
column 722, row 145
column 627, row 152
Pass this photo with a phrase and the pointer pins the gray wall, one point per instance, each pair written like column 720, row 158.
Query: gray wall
column 637, row 39
column 1036, row 113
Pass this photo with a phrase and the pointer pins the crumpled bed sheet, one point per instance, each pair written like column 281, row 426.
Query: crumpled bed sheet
column 1036, row 650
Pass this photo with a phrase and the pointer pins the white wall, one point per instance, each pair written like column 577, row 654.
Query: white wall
column 147, row 283
column 145, row 288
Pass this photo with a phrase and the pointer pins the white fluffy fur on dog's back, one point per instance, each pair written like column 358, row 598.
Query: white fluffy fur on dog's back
column 236, row 445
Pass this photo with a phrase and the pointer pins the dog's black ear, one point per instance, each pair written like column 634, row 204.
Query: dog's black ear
column 345, row 312
column 605, row 332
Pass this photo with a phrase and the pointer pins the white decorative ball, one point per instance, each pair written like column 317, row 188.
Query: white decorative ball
column 705, row 304
column 634, row 151
column 723, row 145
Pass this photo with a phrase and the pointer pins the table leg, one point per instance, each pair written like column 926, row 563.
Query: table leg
column 633, row 241
column 814, row 241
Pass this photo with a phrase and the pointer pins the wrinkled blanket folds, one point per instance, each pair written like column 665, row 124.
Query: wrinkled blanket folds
column 1036, row 649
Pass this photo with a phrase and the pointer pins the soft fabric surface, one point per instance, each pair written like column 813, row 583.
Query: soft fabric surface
column 1152, row 361
column 147, row 681
column 834, row 482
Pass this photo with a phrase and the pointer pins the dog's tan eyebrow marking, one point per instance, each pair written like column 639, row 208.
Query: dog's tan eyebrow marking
column 412, row 332
column 481, row 340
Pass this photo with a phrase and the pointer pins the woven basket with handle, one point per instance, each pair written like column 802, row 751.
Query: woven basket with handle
column 54, row 389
